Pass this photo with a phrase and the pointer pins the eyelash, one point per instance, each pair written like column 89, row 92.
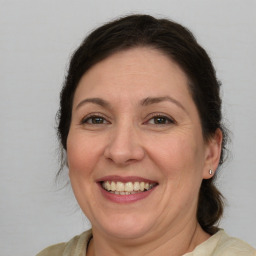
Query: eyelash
column 91, row 117
column 153, row 117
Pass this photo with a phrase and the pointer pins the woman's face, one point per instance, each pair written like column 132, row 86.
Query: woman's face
column 135, row 148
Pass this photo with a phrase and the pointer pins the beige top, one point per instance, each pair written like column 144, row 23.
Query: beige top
column 219, row 244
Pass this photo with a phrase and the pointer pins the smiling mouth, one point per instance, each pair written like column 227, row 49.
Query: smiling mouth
column 127, row 188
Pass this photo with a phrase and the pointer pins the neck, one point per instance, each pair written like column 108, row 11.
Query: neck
column 165, row 244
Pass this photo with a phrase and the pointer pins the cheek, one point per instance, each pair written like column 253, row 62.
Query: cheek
column 180, row 160
column 177, row 155
column 82, row 154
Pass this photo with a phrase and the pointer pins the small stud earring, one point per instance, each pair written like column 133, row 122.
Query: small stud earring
column 210, row 172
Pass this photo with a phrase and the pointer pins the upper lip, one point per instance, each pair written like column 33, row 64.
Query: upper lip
column 124, row 179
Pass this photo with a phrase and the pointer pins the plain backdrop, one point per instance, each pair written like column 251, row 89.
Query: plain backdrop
column 37, row 39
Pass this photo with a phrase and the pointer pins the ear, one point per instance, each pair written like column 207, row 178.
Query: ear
column 212, row 154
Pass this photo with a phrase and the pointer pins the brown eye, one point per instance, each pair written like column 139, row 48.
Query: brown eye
column 94, row 120
column 160, row 120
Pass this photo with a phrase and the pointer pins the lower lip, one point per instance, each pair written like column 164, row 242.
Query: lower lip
column 121, row 199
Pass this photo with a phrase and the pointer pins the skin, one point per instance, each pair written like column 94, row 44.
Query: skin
column 129, row 141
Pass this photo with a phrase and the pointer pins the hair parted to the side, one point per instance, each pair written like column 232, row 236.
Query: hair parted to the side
column 177, row 43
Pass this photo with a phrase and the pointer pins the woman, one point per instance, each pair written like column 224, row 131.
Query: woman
column 140, row 121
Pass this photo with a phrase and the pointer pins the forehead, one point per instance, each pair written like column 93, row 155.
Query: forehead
column 134, row 73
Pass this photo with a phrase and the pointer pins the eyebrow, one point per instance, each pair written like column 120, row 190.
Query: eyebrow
column 145, row 102
column 153, row 100
column 97, row 101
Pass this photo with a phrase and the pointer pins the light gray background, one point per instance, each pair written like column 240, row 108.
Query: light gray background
column 36, row 41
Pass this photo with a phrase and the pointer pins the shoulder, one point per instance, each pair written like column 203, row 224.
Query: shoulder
column 56, row 249
column 227, row 246
column 222, row 244
column 73, row 247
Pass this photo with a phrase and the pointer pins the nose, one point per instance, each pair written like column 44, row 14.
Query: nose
column 124, row 146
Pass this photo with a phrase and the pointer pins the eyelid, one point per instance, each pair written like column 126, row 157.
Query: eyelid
column 153, row 115
column 91, row 115
column 148, row 118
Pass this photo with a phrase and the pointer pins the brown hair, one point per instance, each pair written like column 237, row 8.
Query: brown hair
column 176, row 42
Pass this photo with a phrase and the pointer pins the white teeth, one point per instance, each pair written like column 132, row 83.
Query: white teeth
column 107, row 186
column 136, row 186
column 119, row 186
column 142, row 186
column 127, row 188
column 112, row 186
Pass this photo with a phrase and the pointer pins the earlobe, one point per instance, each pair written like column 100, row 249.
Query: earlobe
column 213, row 153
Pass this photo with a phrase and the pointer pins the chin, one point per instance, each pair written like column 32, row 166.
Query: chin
column 126, row 227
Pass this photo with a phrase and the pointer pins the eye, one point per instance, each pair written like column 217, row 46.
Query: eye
column 95, row 119
column 160, row 120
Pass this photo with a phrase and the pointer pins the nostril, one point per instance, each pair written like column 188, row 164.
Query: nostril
column 124, row 153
